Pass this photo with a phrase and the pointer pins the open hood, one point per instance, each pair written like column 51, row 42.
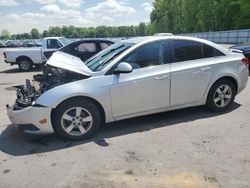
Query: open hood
column 69, row 62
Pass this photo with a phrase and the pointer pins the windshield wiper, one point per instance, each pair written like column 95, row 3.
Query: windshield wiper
column 105, row 62
column 112, row 50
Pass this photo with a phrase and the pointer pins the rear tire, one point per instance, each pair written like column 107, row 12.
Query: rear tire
column 221, row 95
column 25, row 64
column 76, row 119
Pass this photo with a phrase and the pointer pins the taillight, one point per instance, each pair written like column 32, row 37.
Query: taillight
column 245, row 61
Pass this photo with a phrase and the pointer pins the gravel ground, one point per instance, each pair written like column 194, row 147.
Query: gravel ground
column 189, row 148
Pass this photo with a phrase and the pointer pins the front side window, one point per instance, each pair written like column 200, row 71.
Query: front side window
column 149, row 55
column 53, row 44
column 187, row 50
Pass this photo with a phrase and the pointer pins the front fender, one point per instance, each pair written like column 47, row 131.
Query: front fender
column 96, row 88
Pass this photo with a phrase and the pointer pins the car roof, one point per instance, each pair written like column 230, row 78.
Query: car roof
column 147, row 39
column 94, row 40
column 46, row 38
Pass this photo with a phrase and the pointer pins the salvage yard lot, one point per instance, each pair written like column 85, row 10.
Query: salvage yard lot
column 185, row 148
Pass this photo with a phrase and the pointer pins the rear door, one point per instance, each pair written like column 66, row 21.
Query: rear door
column 191, row 71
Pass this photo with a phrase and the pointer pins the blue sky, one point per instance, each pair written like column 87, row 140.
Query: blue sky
column 22, row 15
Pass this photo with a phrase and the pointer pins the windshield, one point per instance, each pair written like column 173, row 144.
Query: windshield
column 64, row 41
column 103, row 58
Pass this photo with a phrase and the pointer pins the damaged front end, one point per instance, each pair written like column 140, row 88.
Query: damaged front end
column 51, row 77
column 34, row 118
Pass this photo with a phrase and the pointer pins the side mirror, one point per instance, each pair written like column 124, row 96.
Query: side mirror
column 123, row 68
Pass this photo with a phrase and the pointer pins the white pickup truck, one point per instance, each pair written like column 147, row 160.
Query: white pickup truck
column 26, row 58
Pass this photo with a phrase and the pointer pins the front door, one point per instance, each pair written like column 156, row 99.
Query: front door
column 52, row 46
column 147, row 87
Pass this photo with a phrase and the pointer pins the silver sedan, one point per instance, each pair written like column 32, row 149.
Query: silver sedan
column 132, row 78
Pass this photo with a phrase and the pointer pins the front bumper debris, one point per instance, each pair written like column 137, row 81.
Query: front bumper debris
column 37, row 116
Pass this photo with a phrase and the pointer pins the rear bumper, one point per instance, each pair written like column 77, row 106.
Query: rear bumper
column 244, row 74
column 39, row 117
column 11, row 63
column 6, row 61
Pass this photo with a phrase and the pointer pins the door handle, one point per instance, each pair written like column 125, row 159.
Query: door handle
column 205, row 68
column 161, row 77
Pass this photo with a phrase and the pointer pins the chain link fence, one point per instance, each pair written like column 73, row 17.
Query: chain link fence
column 224, row 37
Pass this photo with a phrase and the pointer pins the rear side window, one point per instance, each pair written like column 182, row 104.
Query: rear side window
column 104, row 45
column 87, row 47
column 211, row 52
column 187, row 50
column 190, row 50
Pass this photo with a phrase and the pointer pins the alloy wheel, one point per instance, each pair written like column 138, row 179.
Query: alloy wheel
column 222, row 96
column 76, row 121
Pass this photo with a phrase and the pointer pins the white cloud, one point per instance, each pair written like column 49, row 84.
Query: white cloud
column 49, row 13
column 8, row 3
column 53, row 8
column 41, row 2
column 110, row 7
column 107, row 19
column 31, row 15
column 67, row 3
column 19, row 23
column 124, row 2
column 147, row 7
column 12, row 16
column 72, row 3
column 27, row 15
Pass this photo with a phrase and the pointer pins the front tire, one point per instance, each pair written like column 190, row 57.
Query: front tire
column 76, row 119
column 221, row 95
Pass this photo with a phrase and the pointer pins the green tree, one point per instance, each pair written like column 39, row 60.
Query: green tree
column 55, row 31
column 45, row 33
column 5, row 34
column 141, row 29
column 35, row 34
column 26, row 36
column 180, row 16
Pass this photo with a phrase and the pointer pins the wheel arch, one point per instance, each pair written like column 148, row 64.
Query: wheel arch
column 24, row 57
column 98, row 104
column 230, row 78
column 210, row 101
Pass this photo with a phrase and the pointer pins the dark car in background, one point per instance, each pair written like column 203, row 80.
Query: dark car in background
column 2, row 44
column 84, row 49
column 242, row 48
column 11, row 44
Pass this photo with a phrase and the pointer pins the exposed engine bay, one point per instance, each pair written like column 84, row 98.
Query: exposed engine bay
column 50, row 78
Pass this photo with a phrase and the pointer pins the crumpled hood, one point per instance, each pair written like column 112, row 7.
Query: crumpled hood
column 69, row 62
